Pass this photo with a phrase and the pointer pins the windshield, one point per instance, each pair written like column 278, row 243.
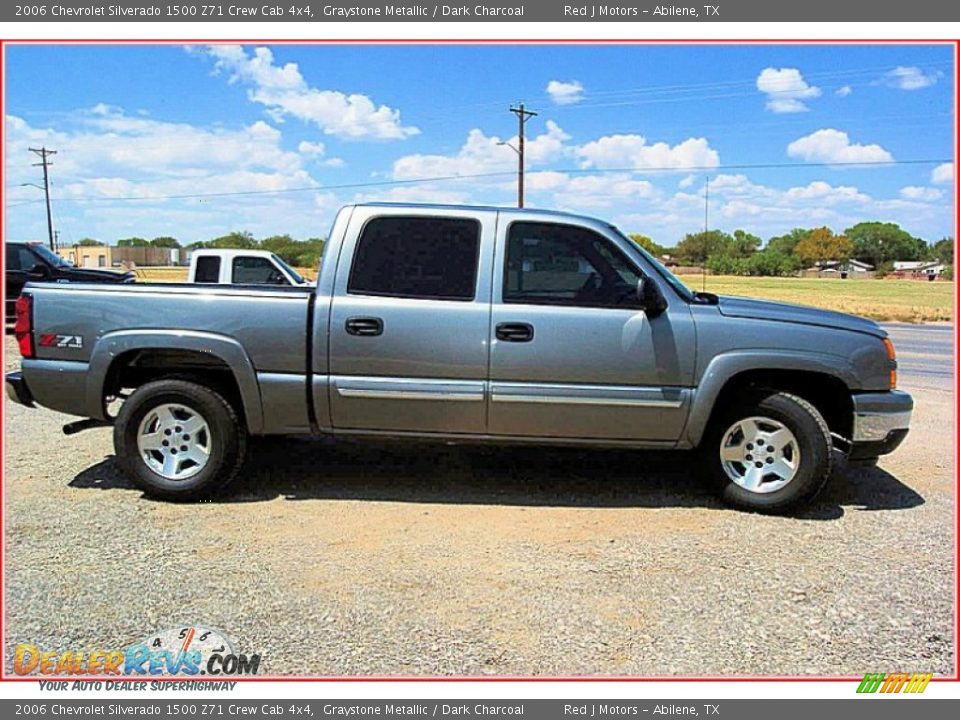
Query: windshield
column 661, row 269
column 293, row 273
column 50, row 256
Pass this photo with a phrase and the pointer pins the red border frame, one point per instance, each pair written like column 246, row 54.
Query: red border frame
column 4, row 43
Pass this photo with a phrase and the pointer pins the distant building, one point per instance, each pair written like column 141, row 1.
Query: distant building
column 106, row 256
column 918, row 269
column 843, row 269
column 89, row 256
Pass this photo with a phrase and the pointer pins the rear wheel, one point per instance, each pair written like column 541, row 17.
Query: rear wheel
column 179, row 440
column 770, row 453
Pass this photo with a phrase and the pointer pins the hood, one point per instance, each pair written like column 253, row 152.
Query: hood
column 92, row 275
column 784, row 312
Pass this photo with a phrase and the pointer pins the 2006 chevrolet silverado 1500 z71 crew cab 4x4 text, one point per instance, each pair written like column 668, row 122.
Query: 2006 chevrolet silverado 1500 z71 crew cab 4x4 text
column 466, row 324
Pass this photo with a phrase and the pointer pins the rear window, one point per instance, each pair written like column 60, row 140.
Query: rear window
column 417, row 257
column 208, row 269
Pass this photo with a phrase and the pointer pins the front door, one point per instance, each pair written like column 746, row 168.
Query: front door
column 572, row 353
column 409, row 322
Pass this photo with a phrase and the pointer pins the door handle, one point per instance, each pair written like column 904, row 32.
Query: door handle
column 515, row 332
column 364, row 326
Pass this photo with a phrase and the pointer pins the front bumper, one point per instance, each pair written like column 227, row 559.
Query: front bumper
column 880, row 423
column 17, row 389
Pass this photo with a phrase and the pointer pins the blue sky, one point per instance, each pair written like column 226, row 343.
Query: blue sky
column 629, row 133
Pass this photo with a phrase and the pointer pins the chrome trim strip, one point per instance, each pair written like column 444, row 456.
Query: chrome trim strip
column 410, row 389
column 407, row 395
column 599, row 395
column 576, row 400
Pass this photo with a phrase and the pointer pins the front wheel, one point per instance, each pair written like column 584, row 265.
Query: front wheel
column 179, row 440
column 770, row 453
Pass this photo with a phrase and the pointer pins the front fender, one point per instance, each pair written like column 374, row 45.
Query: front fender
column 724, row 367
column 225, row 349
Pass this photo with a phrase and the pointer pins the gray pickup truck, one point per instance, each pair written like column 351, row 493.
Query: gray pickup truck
column 466, row 324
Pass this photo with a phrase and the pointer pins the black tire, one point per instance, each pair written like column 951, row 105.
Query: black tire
column 815, row 449
column 226, row 441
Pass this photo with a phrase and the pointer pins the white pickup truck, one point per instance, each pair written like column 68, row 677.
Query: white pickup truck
column 241, row 267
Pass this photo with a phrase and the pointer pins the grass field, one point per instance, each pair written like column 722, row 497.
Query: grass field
column 903, row 300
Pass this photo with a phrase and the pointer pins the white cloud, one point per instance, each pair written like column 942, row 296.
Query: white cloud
column 687, row 181
column 285, row 92
column 834, row 147
column 785, row 89
column 942, row 174
column 481, row 154
column 565, row 93
column 105, row 154
column 923, row 194
column 633, row 151
column 843, row 91
column 312, row 148
column 317, row 151
column 911, row 78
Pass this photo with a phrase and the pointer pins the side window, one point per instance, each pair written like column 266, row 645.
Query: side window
column 256, row 271
column 550, row 264
column 28, row 260
column 417, row 257
column 13, row 258
column 208, row 269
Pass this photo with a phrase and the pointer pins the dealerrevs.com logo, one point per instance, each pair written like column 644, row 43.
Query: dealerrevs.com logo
column 894, row 682
column 181, row 651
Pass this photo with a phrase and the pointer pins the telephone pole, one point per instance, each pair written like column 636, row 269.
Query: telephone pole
column 43, row 153
column 522, row 116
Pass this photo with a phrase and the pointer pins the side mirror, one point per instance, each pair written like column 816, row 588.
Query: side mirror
column 40, row 271
column 649, row 297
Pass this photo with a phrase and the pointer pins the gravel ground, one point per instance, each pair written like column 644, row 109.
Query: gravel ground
column 342, row 559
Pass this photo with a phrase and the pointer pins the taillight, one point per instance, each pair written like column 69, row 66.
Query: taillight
column 892, row 355
column 23, row 328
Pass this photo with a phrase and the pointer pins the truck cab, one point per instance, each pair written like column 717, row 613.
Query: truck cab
column 241, row 267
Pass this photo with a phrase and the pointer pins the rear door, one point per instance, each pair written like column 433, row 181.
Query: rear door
column 409, row 321
column 573, row 355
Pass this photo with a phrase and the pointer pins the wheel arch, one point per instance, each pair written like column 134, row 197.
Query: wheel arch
column 131, row 358
column 820, row 380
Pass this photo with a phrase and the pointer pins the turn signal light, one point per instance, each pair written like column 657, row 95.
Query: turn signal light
column 23, row 328
column 892, row 355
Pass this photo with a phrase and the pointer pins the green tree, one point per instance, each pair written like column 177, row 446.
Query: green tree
column 234, row 241
column 743, row 244
column 786, row 243
column 89, row 242
column 821, row 245
column 942, row 250
column 771, row 263
column 648, row 244
column 724, row 264
column 697, row 248
column 132, row 242
column 879, row 242
column 165, row 241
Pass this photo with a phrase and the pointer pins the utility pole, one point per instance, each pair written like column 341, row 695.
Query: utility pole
column 522, row 116
column 42, row 153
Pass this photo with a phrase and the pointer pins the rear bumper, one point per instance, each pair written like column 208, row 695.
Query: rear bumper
column 17, row 389
column 880, row 423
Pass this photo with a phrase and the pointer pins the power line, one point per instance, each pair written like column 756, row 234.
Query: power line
column 505, row 173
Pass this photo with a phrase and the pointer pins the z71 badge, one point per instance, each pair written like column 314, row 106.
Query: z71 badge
column 72, row 342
